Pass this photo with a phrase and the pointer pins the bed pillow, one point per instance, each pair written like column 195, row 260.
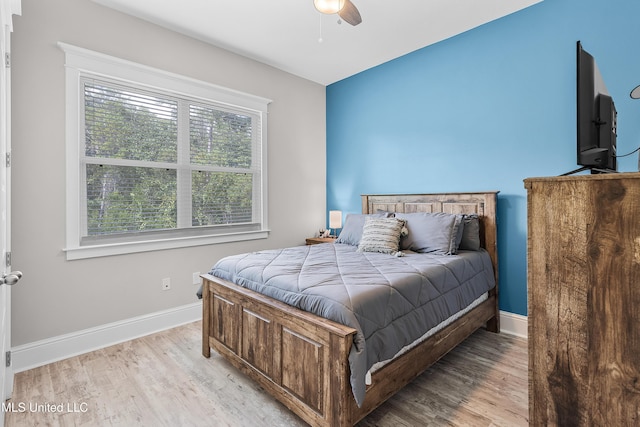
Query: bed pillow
column 352, row 229
column 470, row 236
column 381, row 235
column 431, row 232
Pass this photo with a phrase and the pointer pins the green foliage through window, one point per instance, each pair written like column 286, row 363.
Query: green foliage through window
column 151, row 159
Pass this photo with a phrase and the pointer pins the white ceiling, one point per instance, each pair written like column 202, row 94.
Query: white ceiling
column 286, row 33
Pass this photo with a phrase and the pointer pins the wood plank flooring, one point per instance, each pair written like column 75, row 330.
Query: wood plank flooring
column 163, row 380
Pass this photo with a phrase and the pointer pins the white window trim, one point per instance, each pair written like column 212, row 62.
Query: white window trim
column 80, row 61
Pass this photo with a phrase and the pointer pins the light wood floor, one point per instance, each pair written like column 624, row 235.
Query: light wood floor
column 163, row 380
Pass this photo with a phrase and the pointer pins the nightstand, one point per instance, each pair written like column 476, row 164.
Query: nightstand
column 317, row 240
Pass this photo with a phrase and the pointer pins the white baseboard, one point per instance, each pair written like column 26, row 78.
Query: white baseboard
column 513, row 324
column 50, row 350
column 43, row 352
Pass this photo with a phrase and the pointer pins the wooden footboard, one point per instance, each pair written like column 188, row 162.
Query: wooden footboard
column 299, row 358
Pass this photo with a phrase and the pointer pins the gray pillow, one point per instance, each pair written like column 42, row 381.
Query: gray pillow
column 381, row 235
column 431, row 232
column 470, row 236
column 352, row 229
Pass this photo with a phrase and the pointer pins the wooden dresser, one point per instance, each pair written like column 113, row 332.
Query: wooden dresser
column 584, row 300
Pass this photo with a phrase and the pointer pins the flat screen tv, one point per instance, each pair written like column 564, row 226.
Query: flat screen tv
column 596, row 118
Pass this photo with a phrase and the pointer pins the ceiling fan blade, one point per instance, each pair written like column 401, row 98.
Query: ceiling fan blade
column 350, row 13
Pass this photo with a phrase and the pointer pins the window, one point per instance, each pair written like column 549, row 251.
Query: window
column 170, row 162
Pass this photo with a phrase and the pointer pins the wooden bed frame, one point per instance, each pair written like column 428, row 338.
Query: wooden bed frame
column 302, row 359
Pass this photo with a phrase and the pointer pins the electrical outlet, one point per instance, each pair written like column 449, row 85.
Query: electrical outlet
column 196, row 278
column 166, row 284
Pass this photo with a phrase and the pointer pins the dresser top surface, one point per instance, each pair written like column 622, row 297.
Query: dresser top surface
column 595, row 177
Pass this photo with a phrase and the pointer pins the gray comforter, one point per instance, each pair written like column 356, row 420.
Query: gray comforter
column 391, row 301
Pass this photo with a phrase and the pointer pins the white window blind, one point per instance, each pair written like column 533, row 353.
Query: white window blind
column 222, row 151
column 130, row 160
column 157, row 164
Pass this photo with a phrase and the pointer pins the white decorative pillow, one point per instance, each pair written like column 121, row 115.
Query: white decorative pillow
column 381, row 235
column 352, row 230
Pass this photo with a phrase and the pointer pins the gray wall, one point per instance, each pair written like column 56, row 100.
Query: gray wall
column 56, row 296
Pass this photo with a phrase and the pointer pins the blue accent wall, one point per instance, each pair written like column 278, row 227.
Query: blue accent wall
column 483, row 111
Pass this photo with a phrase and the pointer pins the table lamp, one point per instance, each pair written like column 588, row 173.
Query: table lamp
column 335, row 221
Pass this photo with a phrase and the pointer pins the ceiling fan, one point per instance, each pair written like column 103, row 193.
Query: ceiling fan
column 344, row 8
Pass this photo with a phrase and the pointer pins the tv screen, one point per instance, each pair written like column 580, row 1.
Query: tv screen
column 596, row 118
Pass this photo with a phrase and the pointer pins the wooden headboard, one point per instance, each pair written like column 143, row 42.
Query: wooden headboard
column 482, row 204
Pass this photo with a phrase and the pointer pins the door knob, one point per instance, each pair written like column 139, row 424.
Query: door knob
column 11, row 278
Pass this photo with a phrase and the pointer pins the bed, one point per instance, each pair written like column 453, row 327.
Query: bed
column 305, row 360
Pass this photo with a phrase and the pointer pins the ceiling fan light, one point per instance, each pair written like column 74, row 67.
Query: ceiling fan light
column 329, row 6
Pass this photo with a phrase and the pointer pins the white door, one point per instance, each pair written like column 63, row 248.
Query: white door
column 7, row 278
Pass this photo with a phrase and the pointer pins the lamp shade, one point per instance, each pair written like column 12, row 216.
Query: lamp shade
column 328, row 6
column 335, row 219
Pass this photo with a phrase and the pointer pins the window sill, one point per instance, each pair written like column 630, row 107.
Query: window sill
column 96, row 251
